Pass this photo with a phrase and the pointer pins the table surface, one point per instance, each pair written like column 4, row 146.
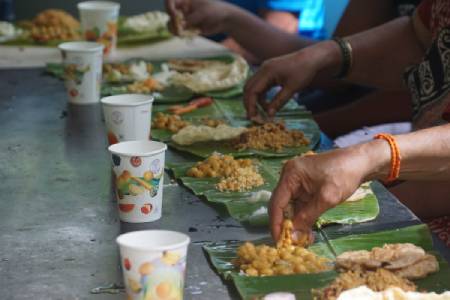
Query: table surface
column 58, row 214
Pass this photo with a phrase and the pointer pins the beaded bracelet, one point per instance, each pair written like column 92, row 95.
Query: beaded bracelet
column 347, row 57
column 395, row 156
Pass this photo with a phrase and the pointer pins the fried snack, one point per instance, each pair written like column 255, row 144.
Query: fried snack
column 54, row 24
column 172, row 123
column 236, row 174
column 145, row 86
column 378, row 280
column 407, row 260
column 286, row 259
column 212, row 122
column 270, row 136
column 218, row 165
column 263, row 260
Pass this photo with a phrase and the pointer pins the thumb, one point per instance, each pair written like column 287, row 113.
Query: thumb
column 306, row 215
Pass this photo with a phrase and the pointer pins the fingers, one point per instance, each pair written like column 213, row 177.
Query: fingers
column 279, row 100
column 278, row 202
column 171, row 10
column 255, row 91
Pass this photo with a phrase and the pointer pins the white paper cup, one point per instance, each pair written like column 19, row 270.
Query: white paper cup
column 82, row 63
column 139, row 170
column 127, row 117
column 153, row 263
column 99, row 23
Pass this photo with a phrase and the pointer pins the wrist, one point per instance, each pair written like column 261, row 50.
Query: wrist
column 326, row 55
column 376, row 159
column 232, row 17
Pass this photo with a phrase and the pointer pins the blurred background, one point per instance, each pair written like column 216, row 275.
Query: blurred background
column 26, row 9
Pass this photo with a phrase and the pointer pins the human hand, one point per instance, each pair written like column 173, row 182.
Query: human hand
column 292, row 72
column 315, row 183
column 210, row 17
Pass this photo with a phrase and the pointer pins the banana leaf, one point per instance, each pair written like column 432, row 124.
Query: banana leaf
column 359, row 211
column 222, row 253
column 205, row 149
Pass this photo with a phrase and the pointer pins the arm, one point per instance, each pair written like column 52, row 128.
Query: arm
column 379, row 57
column 317, row 183
column 213, row 17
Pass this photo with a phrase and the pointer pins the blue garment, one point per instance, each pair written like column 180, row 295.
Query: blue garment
column 311, row 13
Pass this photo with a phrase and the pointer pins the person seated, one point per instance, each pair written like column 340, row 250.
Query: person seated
column 253, row 33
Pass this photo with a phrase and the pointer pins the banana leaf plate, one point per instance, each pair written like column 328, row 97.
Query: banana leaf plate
column 221, row 255
column 205, row 149
column 246, row 209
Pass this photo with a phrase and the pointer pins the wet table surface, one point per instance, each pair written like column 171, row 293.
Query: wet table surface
column 58, row 215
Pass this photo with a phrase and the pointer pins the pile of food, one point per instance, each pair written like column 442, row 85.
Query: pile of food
column 116, row 72
column 392, row 293
column 145, row 86
column 208, row 75
column 285, row 259
column 194, row 134
column 146, row 22
column 54, row 25
column 392, row 265
column 236, row 174
column 173, row 123
column 270, row 136
column 8, row 30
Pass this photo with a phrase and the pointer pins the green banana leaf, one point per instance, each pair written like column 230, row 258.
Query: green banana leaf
column 205, row 149
column 359, row 211
column 221, row 255
column 128, row 37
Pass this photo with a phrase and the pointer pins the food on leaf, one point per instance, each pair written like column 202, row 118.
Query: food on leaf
column 193, row 134
column 213, row 76
column 236, row 174
column 145, row 86
column 270, row 136
column 392, row 293
column 407, row 260
column 149, row 21
column 115, row 72
column 54, row 25
column 172, row 123
column 285, row 259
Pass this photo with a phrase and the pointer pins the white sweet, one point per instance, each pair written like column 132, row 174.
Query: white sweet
column 260, row 196
column 260, row 212
column 364, row 293
column 8, row 30
column 138, row 71
column 149, row 21
column 279, row 296
column 192, row 134
column 164, row 75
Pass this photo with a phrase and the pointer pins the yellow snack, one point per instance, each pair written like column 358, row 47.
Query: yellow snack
column 172, row 123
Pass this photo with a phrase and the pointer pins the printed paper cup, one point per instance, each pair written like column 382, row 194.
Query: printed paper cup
column 99, row 23
column 82, row 63
column 127, row 117
column 139, row 172
column 154, row 264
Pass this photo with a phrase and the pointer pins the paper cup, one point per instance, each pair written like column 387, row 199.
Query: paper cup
column 139, row 170
column 127, row 117
column 99, row 23
column 153, row 263
column 82, row 63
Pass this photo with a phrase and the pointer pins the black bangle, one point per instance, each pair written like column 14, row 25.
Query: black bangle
column 347, row 57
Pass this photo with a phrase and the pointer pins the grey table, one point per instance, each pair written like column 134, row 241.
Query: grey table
column 58, row 215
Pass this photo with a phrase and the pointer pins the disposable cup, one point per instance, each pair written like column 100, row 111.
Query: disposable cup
column 82, row 63
column 127, row 117
column 99, row 23
column 139, row 172
column 153, row 263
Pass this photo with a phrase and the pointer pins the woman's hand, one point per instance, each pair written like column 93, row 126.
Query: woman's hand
column 316, row 183
column 210, row 17
column 292, row 72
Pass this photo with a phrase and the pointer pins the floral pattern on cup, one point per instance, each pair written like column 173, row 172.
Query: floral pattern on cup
column 129, row 185
column 159, row 279
column 75, row 73
column 107, row 38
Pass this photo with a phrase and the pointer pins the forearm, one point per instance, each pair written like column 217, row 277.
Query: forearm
column 425, row 155
column 261, row 38
column 380, row 55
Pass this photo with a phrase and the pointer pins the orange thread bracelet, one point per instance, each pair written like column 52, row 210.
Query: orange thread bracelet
column 395, row 156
